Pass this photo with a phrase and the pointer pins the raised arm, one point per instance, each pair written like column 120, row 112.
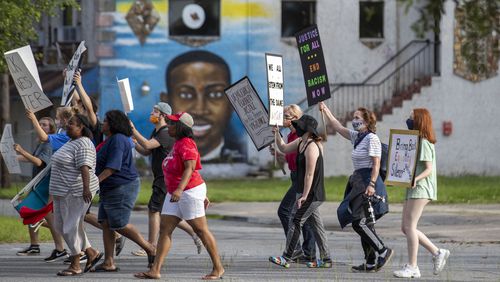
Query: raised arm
column 282, row 147
column 85, row 99
column 337, row 126
column 148, row 144
column 36, row 126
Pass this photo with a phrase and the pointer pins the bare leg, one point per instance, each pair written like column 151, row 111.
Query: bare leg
column 167, row 226
column 412, row 211
column 186, row 227
column 33, row 236
column 58, row 239
column 131, row 232
column 154, row 227
column 109, row 246
column 91, row 219
column 200, row 227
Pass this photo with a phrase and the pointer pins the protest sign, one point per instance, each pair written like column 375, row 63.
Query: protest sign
column 7, row 150
column 126, row 95
column 402, row 157
column 313, row 65
column 23, row 69
column 251, row 110
column 74, row 64
column 274, row 67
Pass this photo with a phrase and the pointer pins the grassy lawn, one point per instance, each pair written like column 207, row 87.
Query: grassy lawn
column 452, row 190
column 13, row 231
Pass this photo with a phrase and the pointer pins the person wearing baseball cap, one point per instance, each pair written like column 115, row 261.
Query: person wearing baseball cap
column 158, row 146
column 186, row 196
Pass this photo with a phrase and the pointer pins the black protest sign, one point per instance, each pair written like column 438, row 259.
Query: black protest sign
column 251, row 111
column 72, row 67
column 313, row 65
column 23, row 69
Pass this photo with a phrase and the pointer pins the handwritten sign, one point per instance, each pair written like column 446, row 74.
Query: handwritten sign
column 313, row 65
column 73, row 65
column 23, row 69
column 251, row 110
column 403, row 154
column 7, row 150
column 274, row 67
column 126, row 95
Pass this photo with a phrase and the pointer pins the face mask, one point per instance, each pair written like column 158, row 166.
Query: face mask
column 154, row 119
column 299, row 132
column 409, row 124
column 357, row 124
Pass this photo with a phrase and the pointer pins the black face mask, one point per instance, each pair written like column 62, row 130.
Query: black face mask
column 299, row 131
column 409, row 124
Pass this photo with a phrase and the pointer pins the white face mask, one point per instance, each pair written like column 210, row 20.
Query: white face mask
column 357, row 124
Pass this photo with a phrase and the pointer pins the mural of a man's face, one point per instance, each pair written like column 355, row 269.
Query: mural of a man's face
column 198, row 88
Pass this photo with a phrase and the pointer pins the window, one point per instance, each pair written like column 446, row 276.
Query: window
column 371, row 19
column 296, row 15
column 194, row 18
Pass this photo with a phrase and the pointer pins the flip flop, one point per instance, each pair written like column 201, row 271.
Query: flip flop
column 144, row 275
column 92, row 263
column 100, row 268
column 211, row 277
column 69, row 272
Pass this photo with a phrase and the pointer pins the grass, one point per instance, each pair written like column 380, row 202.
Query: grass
column 451, row 190
column 13, row 231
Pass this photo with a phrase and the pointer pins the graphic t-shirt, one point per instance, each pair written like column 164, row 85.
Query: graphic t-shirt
column 173, row 165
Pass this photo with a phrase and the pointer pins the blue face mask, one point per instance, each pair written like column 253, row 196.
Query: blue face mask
column 357, row 124
column 409, row 124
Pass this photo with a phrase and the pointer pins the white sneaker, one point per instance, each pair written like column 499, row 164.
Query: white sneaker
column 407, row 272
column 439, row 260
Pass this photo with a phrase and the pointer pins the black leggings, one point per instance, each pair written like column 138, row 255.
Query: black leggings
column 370, row 241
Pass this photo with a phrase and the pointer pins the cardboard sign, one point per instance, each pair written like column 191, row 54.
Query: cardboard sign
column 126, row 95
column 23, row 69
column 313, row 65
column 251, row 110
column 402, row 157
column 73, row 65
column 274, row 67
column 7, row 150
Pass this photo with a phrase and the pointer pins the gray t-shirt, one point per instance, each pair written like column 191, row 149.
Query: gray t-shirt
column 65, row 175
column 369, row 147
column 44, row 152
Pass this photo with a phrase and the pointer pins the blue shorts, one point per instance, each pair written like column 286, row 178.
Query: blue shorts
column 115, row 205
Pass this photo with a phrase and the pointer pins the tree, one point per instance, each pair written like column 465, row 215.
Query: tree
column 17, row 28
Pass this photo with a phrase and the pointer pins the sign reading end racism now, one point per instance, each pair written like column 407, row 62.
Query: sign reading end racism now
column 313, row 65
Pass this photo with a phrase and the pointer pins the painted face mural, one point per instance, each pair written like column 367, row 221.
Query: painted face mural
column 195, row 84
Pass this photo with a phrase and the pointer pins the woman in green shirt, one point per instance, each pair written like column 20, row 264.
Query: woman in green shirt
column 423, row 191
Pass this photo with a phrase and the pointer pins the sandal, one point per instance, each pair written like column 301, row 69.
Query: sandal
column 320, row 264
column 92, row 263
column 145, row 275
column 69, row 272
column 281, row 261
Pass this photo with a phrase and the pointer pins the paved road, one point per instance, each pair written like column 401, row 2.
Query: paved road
column 250, row 232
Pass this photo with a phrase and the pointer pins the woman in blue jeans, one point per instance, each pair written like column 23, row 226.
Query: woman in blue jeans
column 119, row 186
column 306, row 252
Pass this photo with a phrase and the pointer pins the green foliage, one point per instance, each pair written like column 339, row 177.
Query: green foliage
column 14, row 231
column 18, row 19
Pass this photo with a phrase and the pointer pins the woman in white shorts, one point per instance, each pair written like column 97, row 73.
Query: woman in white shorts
column 186, row 197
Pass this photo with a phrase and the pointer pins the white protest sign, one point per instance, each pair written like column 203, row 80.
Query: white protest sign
column 403, row 155
column 70, row 71
column 274, row 66
column 22, row 67
column 126, row 95
column 7, row 150
column 251, row 110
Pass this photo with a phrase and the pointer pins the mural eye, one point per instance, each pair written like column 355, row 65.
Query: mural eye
column 185, row 95
column 215, row 95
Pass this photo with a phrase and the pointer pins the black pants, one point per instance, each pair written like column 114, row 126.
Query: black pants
column 370, row 241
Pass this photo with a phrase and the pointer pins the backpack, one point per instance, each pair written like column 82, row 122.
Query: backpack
column 383, row 161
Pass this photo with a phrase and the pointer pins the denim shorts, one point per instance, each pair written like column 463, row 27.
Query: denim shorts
column 115, row 205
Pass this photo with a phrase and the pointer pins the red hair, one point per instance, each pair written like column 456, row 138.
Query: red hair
column 423, row 123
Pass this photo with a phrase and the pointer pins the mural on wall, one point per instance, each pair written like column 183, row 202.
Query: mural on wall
column 476, row 54
column 192, row 77
column 142, row 19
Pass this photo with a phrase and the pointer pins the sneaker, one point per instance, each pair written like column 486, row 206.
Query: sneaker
column 281, row 261
column 83, row 259
column 119, row 244
column 139, row 253
column 56, row 255
column 32, row 250
column 439, row 261
column 364, row 268
column 381, row 261
column 325, row 263
column 407, row 272
column 198, row 243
